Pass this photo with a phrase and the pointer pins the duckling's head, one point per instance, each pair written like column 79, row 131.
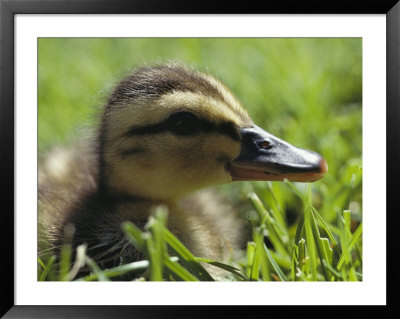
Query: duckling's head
column 168, row 130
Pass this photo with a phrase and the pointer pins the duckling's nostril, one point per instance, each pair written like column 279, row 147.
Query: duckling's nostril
column 264, row 144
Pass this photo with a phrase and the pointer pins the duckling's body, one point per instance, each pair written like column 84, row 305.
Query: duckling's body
column 165, row 133
column 69, row 194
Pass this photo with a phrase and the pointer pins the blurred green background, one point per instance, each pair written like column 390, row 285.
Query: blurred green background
column 307, row 91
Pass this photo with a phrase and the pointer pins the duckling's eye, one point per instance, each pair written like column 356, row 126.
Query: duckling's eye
column 183, row 123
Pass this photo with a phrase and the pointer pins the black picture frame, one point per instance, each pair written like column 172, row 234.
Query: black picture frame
column 8, row 10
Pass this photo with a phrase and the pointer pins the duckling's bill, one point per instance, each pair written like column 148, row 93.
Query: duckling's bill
column 264, row 157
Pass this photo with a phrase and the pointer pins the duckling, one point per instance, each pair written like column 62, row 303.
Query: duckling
column 166, row 132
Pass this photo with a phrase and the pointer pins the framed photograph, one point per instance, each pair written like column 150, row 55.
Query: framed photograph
column 116, row 115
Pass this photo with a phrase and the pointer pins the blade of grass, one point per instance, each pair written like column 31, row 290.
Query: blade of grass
column 119, row 270
column 318, row 244
column 79, row 261
column 47, row 267
column 294, row 263
column 179, row 270
column 327, row 250
column 283, row 261
column 138, row 238
column 65, row 261
column 226, row 267
column 349, row 272
column 260, row 259
column 278, row 215
column 298, row 259
column 157, row 224
column 155, row 261
column 186, row 257
column 251, row 248
column 324, row 225
column 271, row 224
column 96, row 269
column 265, row 272
column 278, row 270
column 295, row 190
column 66, row 252
column 134, row 235
column 310, row 242
column 302, row 251
column 41, row 263
column 156, row 243
column 255, row 266
column 353, row 241
column 332, row 270
column 347, row 220
column 299, row 229
column 359, row 255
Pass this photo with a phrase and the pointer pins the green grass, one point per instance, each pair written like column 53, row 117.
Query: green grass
column 306, row 91
column 306, row 255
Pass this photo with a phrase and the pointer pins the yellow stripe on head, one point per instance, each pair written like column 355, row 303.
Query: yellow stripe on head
column 205, row 107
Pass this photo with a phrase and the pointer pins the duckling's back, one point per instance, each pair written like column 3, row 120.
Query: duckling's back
column 65, row 176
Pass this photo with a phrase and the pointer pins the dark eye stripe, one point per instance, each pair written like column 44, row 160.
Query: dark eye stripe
column 133, row 151
column 230, row 130
column 205, row 126
column 148, row 129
